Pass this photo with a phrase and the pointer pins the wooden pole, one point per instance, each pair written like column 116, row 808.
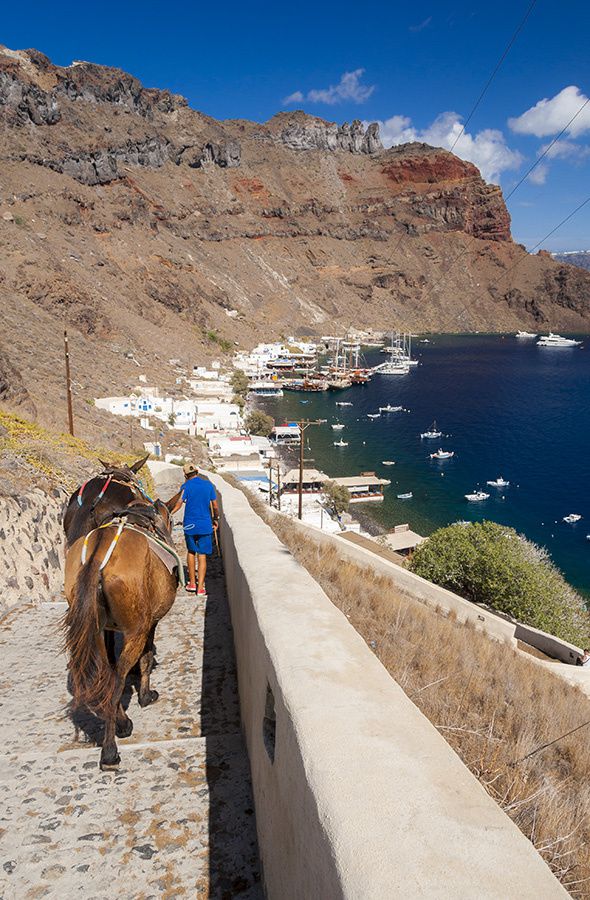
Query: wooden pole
column 68, row 384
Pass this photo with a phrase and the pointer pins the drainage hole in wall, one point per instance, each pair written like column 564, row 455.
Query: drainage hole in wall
column 269, row 724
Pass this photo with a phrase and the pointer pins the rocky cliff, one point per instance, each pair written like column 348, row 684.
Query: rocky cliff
column 156, row 231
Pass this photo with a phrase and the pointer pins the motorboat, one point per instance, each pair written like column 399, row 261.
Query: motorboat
column 556, row 340
column 388, row 462
column 343, row 403
column 337, row 426
column 373, row 415
column 442, row 454
column 498, row 483
column 424, row 341
column 390, row 408
column 432, row 432
column 572, row 518
column 525, row 335
column 477, row 495
column 341, row 443
column 407, row 496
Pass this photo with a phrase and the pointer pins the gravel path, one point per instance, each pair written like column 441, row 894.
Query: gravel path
column 176, row 820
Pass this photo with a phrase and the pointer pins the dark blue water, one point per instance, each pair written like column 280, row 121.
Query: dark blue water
column 507, row 408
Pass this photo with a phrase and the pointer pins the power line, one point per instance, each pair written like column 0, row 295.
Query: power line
column 528, row 253
column 546, row 150
column 495, row 71
column 468, row 119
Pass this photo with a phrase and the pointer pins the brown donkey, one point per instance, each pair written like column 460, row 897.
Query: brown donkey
column 114, row 581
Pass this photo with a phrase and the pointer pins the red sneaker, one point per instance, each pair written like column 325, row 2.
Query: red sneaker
column 191, row 588
column 202, row 593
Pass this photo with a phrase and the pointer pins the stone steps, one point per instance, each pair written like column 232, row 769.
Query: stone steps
column 176, row 819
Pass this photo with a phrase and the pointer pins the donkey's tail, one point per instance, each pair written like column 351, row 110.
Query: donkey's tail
column 93, row 680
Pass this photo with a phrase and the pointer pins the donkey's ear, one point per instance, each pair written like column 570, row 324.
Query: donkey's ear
column 104, row 464
column 137, row 465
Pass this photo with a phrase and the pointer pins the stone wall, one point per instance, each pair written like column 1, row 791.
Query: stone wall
column 356, row 793
column 31, row 547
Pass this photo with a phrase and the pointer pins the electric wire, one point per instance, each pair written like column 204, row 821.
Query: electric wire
column 494, row 73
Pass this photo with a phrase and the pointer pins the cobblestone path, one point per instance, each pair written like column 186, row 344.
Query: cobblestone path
column 176, row 820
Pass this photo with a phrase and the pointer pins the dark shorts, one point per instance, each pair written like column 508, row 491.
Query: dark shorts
column 199, row 543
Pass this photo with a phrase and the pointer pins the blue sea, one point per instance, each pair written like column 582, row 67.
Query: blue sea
column 506, row 407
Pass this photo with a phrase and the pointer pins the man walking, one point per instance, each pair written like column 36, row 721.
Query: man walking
column 201, row 519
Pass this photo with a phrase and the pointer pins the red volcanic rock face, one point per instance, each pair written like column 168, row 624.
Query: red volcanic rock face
column 461, row 200
column 430, row 169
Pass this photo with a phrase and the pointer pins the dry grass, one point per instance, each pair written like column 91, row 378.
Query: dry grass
column 491, row 704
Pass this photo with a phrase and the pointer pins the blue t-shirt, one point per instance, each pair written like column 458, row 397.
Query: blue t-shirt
column 197, row 495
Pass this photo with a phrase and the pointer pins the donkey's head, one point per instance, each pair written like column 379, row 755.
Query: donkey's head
column 123, row 470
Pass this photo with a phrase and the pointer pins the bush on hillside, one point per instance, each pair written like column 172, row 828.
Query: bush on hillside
column 492, row 564
column 257, row 422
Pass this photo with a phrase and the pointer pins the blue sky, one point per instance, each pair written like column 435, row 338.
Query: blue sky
column 406, row 65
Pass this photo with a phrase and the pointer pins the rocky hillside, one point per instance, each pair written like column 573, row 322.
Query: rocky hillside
column 157, row 232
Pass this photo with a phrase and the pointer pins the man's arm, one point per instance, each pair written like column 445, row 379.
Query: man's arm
column 215, row 513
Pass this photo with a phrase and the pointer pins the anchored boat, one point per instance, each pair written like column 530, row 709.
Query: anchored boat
column 477, row 496
column 433, row 432
column 341, row 443
column 572, row 518
column 498, row 483
column 442, row 454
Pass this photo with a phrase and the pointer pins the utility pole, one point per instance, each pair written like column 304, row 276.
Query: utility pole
column 303, row 424
column 68, row 384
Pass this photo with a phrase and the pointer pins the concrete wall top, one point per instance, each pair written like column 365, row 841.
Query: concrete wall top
column 363, row 798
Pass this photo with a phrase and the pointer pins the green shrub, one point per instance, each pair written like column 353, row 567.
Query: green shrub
column 257, row 422
column 240, row 383
column 337, row 497
column 492, row 564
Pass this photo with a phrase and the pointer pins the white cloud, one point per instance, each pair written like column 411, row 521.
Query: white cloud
column 549, row 116
column 487, row 149
column 539, row 175
column 349, row 88
column 421, row 25
column 566, row 150
column 295, row 97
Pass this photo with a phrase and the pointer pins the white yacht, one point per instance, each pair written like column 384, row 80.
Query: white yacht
column 572, row 518
column 556, row 340
column 477, row 495
column 341, row 443
column 388, row 462
column 343, row 403
column 373, row 415
column 525, row 335
column 407, row 496
column 337, row 426
column 432, row 432
column 390, row 408
column 498, row 483
column 442, row 454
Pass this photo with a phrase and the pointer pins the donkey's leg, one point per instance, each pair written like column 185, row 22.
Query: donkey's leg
column 147, row 696
column 109, row 757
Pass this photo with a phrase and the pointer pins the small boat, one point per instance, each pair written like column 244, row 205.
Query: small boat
column 573, row 517
column 556, row 340
column 373, row 415
column 343, row 403
column 442, row 454
column 525, row 335
column 337, row 426
column 499, row 483
column 390, row 408
column 477, row 495
column 407, row 496
column 424, row 341
column 432, row 432
column 387, row 462
column 341, row 443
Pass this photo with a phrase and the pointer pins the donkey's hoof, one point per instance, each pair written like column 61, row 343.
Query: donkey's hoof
column 109, row 761
column 124, row 728
column 148, row 697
